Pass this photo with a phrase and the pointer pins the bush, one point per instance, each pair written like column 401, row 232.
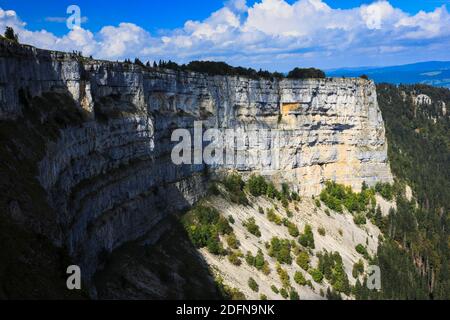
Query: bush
column 284, row 202
column 307, row 238
column 252, row 227
column 235, row 186
column 260, row 210
column 284, row 277
column 318, row 203
column 232, row 241
column 292, row 229
column 385, row 190
column 316, row 275
column 273, row 217
column 358, row 269
column 295, row 196
column 228, row 293
column 360, row 219
column 204, row 225
column 253, row 284
column 299, row 278
column 322, row 231
column 336, row 196
column 272, row 192
column 303, row 260
column 250, row 259
column 259, row 260
column 274, row 289
column 332, row 267
column 289, row 213
column 293, row 295
column 284, row 293
column 263, row 297
column 362, row 250
column 214, row 246
column 280, row 249
column 234, row 258
column 257, row 185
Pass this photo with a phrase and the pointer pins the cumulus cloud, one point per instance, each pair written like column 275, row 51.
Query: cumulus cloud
column 273, row 34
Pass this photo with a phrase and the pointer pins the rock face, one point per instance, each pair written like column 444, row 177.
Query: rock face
column 110, row 179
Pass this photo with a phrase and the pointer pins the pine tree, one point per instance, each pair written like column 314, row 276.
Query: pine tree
column 11, row 35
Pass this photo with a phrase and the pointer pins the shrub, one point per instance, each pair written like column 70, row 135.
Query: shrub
column 250, row 259
column 299, row 278
column 204, row 225
column 229, row 293
column 231, row 219
column 293, row 295
column 336, row 196
column 263, row 297
column 274, row 289
column 273, row 217
column 358, row 269
column 223, row 227
column 259, row 260
column 289, row 213
column 307, row 238
column 234, row 258
column 385, row 190
column 322, row 231
column 316, row 275
column 253, row 284
column 360, row 219
column 272, row 192
column 232, row 241
column 235, row 186
column 295, row 196
column 257, row 185
column 284, row 277
column 280, row 249
column 260, row 210
column 292, row 229
column 303, row 260
column 252, row 227
column 332, row 267
column 284, row 202
column 284, row 293
column 361, row 250
column 318, row 204
column 214, row 246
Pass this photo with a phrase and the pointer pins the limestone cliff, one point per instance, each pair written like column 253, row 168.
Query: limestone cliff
column 109, row 177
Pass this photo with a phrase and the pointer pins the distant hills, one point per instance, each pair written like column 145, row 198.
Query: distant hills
column 435, row 73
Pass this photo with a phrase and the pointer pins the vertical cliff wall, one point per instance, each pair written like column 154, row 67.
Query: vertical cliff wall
column 108, row 175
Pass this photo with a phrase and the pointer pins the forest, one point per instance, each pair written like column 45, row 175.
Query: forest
column 415, row 255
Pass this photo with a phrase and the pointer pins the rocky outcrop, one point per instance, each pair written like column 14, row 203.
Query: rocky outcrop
column 110, row 178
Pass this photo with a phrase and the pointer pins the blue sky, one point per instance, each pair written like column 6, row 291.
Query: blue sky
column 272, row 34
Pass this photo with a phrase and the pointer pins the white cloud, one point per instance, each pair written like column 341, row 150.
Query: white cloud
column 271, row 33
column 64, row 19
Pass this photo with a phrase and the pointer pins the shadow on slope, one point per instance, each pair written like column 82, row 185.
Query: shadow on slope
column 170, row 269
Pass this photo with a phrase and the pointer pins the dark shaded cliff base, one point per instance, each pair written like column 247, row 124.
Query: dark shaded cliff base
column 170, row 269
column 31, row 267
